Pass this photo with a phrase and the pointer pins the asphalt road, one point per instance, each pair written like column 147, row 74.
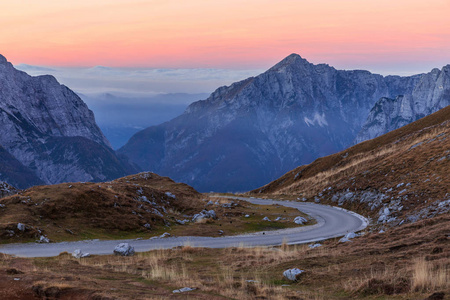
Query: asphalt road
column 331, row 222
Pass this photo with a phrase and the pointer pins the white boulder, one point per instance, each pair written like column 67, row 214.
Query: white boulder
column 124, row 249
column 293, row 274
column 348, row 237
column 300, row 220
column 21, row 226
column 43, row 239
column 79, row 254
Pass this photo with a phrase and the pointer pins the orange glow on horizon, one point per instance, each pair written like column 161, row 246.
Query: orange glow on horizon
column 226, row 34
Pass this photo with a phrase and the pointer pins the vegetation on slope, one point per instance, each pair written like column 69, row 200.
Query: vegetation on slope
column 141, row 205
column 405, row 171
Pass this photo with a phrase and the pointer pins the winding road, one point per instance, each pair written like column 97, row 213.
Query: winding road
column 331, row 222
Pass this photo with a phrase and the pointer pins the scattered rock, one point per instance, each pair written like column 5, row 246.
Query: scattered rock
column 147, row 225
column 312, row 246
column 293, row 274
column 229, row 205
column 300, row 220
column 79, row 254
column 70, row 231
column 182, row 222
column 21, row 226
column 247, row 216
column 348, row 237
column 43, row 239
column 169, row 194
column 220, row 232
column 183, row 290
column 204, row 214
column 266, row 219
column 124, row 249
column 164, row 235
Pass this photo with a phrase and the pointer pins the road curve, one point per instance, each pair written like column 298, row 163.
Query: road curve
column 331, row 222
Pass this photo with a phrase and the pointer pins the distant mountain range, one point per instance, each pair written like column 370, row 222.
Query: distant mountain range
column 49, row 135
column 430, row 94
column 253, row 131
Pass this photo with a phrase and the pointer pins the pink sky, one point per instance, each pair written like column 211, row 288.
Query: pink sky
column 377, row 34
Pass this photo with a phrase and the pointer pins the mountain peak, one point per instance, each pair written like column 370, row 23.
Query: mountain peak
column 3, row 59
column 292, row 59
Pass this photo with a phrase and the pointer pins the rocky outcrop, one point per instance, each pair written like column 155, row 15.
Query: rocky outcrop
column 253, row 131
column 430, row 94
column 50, row 133
column 6, row 189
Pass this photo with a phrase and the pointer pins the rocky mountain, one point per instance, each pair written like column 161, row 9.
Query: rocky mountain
column 396, row 178
column 430, row 94
column 253, row 131
column 49, row 134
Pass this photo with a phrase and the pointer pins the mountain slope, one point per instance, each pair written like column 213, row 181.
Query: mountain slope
column 431, row 94
column 399, row 177
column 51, row 132
column 253, row 131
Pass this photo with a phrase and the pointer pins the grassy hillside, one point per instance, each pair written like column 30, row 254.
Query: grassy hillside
column 141, row 205
column 404, row 171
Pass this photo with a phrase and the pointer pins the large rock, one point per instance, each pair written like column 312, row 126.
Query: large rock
column 124, row 249
column 300, row 220
column 80, row 254
column 293, row 274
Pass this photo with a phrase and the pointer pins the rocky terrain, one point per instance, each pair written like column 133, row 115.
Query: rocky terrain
column 49, row 135
column 400, row 177
column 6, row 189
column 137, row 206
column 430, row 94
column 253, row 131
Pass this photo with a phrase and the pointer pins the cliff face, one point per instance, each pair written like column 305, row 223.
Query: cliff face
column 430, row 94
column 51, row 132
column 253, row 131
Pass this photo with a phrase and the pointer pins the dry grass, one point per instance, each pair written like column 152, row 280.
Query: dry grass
column 428, row 277
column 374, row 266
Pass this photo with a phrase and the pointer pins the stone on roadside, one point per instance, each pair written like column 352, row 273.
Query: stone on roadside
column 43, row 239
column 316, row 245
column 79, row 254
column 124, row 249
column 300, row 220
